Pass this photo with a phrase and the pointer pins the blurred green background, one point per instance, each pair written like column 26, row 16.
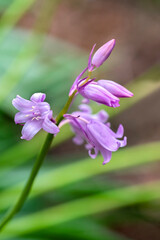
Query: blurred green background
column 44, row 45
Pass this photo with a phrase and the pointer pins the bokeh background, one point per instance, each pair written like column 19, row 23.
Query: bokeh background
column 44, row 45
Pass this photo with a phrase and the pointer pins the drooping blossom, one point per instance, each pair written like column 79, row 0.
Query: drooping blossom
column 97, row 134
column 36, row 115
column 100, row 55
column 104, row 91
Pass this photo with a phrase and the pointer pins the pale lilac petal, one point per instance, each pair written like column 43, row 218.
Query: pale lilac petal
column 120, row 131
column 85, row 101
column 99, row 94
column 49, row 126
column 103, row 53
column 88, row 146
column 38, row 97
column 92, row 151
column 78, row 140
column 108, row 124
column 22, row 104
column 30, row 129
column 43, row 108
column 101, row 133
column 50, row 114
column 123, row 142
column 102, row 116
column 85, row 108
column 93, row 154
column 22, row 117
column 106, row 155
column 74, row 86
column 115, row 88
column 90, row 68
column 77, row 125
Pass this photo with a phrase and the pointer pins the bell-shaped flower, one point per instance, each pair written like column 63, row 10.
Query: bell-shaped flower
column 97, row 133
column 103, row 91
column 100, row 55
column 93, row 91
column 36, row 115
column 115, row 89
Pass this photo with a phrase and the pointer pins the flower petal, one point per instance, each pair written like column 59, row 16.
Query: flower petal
column 43, row 108
column 22, row 117
column 120, row 131
column 78, row 140
column 98, row 94
column 101, row 135
column 115, row 88
column 106, row 155
column 78, row 126
column 38, row 97
column 85, row 101
column 85, row 108
column 102, row 116
column 31, row 128
column 123, row 142
column 22, row 104
column 94, row 153
column 49, row 126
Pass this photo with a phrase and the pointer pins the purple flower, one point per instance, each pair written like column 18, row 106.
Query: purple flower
column 100, row 55
column 36, row 114
column 104, row 91
column 97, row 133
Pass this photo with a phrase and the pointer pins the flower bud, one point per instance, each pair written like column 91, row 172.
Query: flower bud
column 115, row 88
column 102, row 54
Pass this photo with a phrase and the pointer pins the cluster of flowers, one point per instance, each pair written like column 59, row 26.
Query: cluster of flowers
column 91, row 128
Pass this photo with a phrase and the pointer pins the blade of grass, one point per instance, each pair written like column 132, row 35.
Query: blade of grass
column 81, row 229
column 87, row 168
column 105, row 201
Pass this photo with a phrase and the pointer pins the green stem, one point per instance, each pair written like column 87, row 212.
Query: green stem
column 29, row 183
column 65, row 109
